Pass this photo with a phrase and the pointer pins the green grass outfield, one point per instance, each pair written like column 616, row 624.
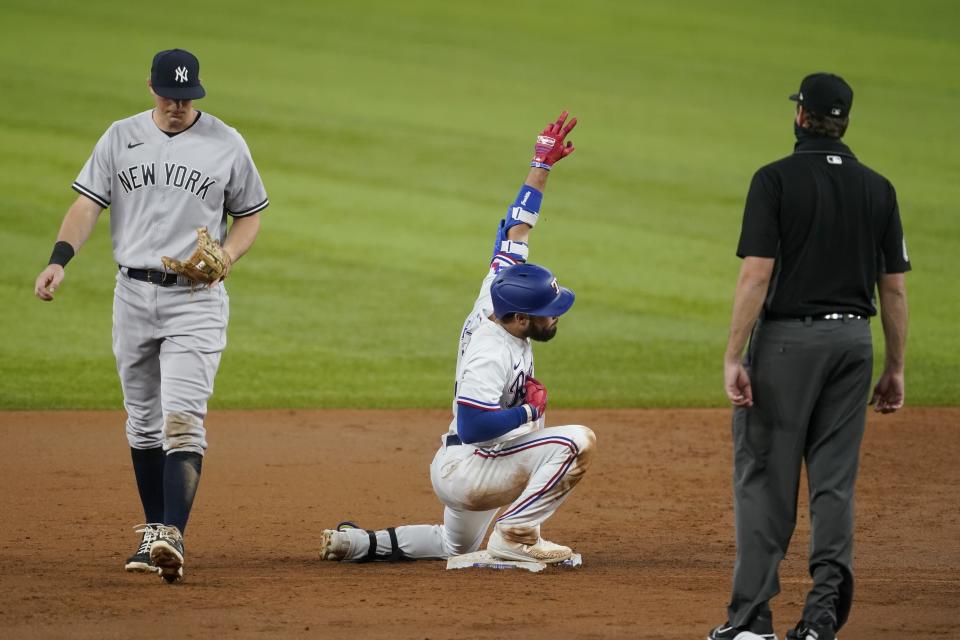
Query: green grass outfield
column 391, row 137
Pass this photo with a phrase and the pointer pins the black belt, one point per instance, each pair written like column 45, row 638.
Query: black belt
column 453, row 440
column 816, row 318
column 159, row 278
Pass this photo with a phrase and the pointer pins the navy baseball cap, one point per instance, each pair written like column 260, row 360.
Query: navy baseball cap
column 175, row 74
column 825, row 94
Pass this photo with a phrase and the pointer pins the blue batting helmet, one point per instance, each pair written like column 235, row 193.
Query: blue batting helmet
column 529, row 289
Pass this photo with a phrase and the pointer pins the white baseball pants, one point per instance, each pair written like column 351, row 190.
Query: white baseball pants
column 530, row 475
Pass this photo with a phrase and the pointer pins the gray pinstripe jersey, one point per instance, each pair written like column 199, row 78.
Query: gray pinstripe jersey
column 160, row 189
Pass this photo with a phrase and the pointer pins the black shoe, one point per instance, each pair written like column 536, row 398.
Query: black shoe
column 810, row 631
column 760, row 629
column 167, row 553
column 140, row 561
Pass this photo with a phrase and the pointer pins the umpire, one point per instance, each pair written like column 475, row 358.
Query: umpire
column 821, row 233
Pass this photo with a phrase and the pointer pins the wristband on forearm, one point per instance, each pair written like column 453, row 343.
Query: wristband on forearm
column 541, row 165
column 525, row 208
column 62, row 253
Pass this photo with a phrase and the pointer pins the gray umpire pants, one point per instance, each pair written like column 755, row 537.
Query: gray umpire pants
column 810, row 382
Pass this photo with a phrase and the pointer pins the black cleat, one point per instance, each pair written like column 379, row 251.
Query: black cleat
column 140, row 561
column 760, row 629
column 809, row 631
column 166, row 553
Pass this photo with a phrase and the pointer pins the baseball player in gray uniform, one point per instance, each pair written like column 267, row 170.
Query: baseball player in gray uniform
column 164, row 173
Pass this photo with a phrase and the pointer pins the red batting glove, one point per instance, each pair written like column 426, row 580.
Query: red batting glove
column 536, row 396
column 549, row 148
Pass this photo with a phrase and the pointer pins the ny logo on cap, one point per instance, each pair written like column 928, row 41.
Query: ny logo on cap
column 181, row 74
column 835, row 111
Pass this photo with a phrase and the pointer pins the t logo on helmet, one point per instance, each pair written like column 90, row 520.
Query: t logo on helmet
column 555, row 286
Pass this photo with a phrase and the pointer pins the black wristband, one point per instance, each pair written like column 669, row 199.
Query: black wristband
column 62, row 252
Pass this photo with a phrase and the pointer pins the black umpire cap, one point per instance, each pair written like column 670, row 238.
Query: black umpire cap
column 175, row 74
column 825, row 94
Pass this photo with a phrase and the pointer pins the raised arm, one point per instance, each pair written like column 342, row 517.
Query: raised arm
column 537, row 179
column 77, row 225
column 479, row 415
column 513, row 236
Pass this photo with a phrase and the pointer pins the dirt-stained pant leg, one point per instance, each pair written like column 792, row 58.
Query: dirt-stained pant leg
column 193, row 327
column 532, row 474
column 461, row 532
column 557, row 458
column 137, row 350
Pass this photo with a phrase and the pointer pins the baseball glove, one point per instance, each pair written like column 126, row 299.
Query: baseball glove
column 207, row 265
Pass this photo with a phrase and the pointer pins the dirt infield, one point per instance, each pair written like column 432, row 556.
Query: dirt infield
column 652, row 520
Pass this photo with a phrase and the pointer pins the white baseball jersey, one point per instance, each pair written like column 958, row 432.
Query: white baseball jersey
column 492, row 366
column 160, row 188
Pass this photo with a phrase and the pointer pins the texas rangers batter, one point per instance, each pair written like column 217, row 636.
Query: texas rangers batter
column 496, row 452
column 163, row 173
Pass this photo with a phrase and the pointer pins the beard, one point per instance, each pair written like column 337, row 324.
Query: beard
column 542, row 334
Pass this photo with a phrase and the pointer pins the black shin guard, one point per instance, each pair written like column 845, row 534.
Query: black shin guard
column 148, row 467
column 181, row 476
column 394, row 555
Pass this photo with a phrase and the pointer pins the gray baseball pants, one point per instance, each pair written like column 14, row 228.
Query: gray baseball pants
column 810, row 383
column 167, row 342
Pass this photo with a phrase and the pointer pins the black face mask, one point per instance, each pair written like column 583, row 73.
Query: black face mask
column 800, row 133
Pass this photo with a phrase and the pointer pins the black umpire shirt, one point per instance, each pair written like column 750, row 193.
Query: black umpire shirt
column 831, row 223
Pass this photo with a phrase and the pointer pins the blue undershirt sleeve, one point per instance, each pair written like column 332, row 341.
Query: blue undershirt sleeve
column 478, row 425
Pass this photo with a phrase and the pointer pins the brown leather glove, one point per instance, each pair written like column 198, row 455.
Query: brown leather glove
column 207, row 265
